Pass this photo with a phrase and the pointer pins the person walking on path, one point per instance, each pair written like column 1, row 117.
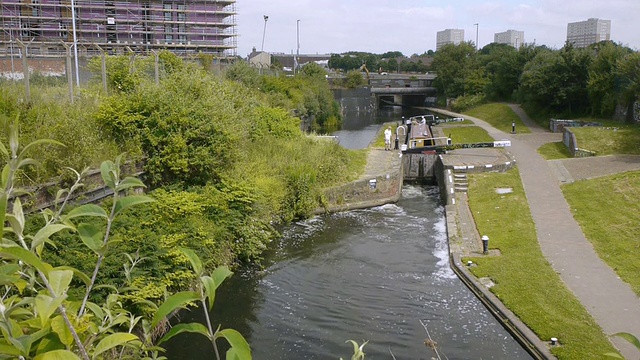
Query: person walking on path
column 611, row 302
column 387, row 138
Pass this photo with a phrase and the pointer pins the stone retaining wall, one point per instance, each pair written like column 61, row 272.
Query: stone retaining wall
column 376, row 191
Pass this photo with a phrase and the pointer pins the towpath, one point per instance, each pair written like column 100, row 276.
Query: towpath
column 611, row 302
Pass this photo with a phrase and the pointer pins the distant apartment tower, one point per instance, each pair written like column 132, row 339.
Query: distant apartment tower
column 584, row 33
column 449, row 36
column 511, row 37
column 117, row 26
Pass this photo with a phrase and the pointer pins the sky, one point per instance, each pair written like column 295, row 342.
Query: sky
column 410, row 26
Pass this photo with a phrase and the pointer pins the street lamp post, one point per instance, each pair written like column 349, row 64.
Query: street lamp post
column 11, row 42
column 75, row 41
column 295, row 63
column 477, row 25
column 264, row 31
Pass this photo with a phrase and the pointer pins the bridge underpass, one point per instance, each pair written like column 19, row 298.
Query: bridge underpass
column 403, row 96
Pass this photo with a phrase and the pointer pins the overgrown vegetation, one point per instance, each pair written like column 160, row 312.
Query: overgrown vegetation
column 524, row 280
column 226, row 160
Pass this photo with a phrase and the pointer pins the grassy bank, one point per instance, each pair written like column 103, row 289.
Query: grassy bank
column 525, row 282
column 554, row 151
column 499, row 116
column 609, row 140
column 467, row 134
column 608, row 211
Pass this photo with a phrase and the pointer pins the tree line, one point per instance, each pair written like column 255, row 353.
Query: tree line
column 592, row 81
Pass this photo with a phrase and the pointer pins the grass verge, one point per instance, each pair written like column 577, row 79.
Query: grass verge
column 554, row 151
column 621, row 139
column 467, row 134
column 608, row 211
column 525, row 282
column 500, row 116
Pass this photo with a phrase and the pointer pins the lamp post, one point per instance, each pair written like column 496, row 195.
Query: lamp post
column 297, row 58
column 264, row 31
column 11, row 42
column 75, row 41
column 477, row 26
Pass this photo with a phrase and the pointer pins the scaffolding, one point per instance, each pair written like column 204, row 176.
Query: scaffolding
column 184, row 27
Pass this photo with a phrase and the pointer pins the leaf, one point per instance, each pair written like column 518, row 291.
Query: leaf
column 3, row 150
column 129, row 182
column 86, row 210
column 91, row 236
column 45, row 232
column 46, row 306
column 112, row 341
column 95, row 309
column 188, row 328
column 9, row 274
column 210, row 290
column 220, row 274
column 9, row 350
column 107, row 174
column 27, row 257
column 630, row 338
column 25, row 162
column 60, row 328
column 18, row 215
column 59, row 281
column 82, row 276
column 237, row 342
column 174, row 302
column 38, row 142
column 194, row 259
column 3, row 207
column 57, row 355
column 129, row 201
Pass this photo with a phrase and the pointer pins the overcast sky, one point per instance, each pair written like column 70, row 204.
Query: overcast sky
column 410, row 26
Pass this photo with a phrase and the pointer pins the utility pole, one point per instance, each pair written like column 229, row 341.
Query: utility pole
column 477, row 26
column 264, row 31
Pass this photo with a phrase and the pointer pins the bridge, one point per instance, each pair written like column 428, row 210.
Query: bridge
column 401, row 89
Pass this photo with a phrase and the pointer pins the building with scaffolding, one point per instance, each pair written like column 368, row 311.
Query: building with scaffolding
column 184, row 27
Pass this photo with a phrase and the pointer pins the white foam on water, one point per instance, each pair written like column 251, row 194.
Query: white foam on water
column 411, row 192
column 441, row 250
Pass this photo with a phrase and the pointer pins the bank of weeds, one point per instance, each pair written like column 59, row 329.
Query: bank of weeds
column 525, row 281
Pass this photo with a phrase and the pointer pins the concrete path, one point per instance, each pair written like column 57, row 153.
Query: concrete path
column 610, row 301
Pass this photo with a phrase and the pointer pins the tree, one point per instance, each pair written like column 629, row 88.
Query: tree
column 604, row 85
column 576, row 67
column 454, row 63
column 629, row 74
column 542, row 82
column 503, row 66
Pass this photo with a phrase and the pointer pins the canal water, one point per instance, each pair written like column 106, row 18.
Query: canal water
column 380, row 275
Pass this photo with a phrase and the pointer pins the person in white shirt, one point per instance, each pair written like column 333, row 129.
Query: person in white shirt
column 387, row 139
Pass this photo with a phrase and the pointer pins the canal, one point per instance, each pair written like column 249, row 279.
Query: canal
column 380, row 275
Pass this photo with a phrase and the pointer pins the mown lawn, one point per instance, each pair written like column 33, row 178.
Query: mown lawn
column 499, row 116
column 608, row 211
column 525, row 282
column 554, row 150
column 467, row 134
column 609, row 140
